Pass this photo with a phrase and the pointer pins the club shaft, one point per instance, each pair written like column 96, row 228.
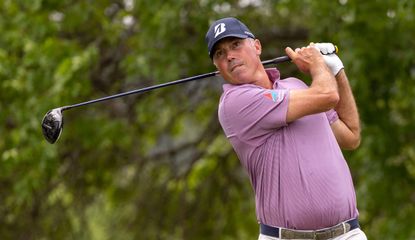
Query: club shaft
column 206, row 75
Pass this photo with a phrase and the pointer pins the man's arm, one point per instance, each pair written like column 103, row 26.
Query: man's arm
column 322, row 95
column 347, row 128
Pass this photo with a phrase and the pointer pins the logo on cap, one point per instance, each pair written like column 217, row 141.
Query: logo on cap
column 220, row 28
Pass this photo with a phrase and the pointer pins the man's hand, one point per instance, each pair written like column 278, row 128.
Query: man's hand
column 308, row 59
column 332, row 60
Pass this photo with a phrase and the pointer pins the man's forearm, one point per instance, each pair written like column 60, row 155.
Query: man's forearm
column 346, row 107
column 324, row 84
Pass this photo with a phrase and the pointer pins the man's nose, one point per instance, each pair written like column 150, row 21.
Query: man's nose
column 230, row 55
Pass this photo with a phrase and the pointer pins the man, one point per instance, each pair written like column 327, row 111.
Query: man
column 289, row 136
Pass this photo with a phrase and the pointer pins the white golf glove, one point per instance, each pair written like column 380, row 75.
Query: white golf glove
column 329, row 54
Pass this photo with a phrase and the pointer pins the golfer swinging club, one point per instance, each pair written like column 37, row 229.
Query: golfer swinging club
column 289, row 136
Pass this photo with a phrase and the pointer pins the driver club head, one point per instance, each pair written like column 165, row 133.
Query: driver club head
column 52, row 125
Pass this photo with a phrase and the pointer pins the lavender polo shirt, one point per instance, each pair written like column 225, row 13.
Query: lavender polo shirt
column 297, row 170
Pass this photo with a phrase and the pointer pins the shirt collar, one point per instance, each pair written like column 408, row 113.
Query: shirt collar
column 273, row 75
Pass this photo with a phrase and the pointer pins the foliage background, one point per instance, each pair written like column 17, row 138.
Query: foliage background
column 157, row 165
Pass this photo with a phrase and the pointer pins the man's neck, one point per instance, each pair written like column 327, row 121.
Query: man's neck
column 262, row 79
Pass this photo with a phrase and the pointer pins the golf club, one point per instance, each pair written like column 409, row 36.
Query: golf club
column 52, row 123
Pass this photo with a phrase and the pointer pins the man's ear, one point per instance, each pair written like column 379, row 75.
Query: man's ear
column 258, row 47
column 214, row 63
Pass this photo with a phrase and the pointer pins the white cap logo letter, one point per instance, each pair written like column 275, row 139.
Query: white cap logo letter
column 220, row 28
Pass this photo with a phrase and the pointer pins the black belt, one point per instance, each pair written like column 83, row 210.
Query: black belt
column 321, row 234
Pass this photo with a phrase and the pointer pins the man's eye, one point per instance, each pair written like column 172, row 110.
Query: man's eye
column 218, row 54
column 236, row 43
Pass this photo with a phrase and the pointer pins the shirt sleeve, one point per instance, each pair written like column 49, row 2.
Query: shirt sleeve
column 252, row 113
column 332, row 116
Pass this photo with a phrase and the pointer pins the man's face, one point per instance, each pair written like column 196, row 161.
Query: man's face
column 237, row 59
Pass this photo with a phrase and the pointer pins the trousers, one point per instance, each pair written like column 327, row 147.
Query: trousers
column 355, row 234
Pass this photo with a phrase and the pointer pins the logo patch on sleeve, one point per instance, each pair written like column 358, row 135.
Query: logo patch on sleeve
column 275, row 96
